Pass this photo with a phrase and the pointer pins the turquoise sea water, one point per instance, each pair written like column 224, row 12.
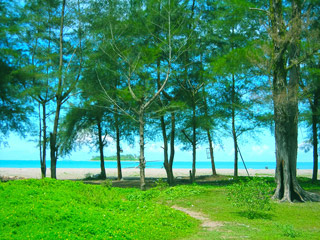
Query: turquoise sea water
column 150, row 164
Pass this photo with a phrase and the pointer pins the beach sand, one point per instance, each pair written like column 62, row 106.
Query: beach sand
column 81, row 173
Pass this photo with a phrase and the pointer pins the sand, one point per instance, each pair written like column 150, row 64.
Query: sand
column 80, row 173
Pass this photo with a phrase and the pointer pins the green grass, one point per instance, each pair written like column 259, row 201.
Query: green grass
column 51, row 209
column 285, row 221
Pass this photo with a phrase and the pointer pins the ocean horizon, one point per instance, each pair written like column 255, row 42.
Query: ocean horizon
column 149, row 164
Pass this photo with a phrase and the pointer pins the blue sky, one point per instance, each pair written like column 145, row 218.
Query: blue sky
column 261, row 150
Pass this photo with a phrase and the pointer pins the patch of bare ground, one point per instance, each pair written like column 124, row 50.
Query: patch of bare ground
column 206, row 222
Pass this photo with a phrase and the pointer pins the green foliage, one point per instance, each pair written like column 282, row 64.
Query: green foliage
column 287, row 230
column 127, row 157
column 51, row 209
column 161, row 184
column 107, row 183
column 254, row 195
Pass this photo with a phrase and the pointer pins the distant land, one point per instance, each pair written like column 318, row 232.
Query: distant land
column 128, row 157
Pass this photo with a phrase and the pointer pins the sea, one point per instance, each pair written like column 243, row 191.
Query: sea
column 149, row 164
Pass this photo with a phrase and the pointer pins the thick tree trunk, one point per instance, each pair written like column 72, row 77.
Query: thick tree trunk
column 101, row 145
column 285, row 97
column 141, row 143
column 234, row 133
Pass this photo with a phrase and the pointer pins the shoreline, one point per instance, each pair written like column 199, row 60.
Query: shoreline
column 81, row 173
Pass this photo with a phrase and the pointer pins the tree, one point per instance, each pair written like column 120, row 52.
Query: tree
column 286, row 48
column 38, row 25
column 80, row 125
column 233, row 68
column 136, row 58
column 15, row 110
column 309, row 83
column 68, row 75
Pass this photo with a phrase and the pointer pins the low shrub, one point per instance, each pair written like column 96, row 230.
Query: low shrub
column 254, row 195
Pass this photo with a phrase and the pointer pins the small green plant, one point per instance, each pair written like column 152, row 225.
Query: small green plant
column 253, row 195
column 161, row 184
column 107, row 183
column 287, row 230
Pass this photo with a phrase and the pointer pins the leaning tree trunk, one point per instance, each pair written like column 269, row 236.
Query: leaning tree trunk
column 141, row 143
column 101, row 145
column 211, row 153
column 234, row 133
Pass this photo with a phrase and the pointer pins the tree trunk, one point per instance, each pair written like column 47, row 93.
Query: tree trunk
column 167, row 165
column 53, row 155
column 53, row 141
column 118, row 149
column 211, row 154
column 286, row 106
column 315, row 139
column 141, row 143
column 101, row 145
column 234, row 133
column 53, row 135
column 194, row 142
column 44, row 141
column 43, row 174
column 172, row 150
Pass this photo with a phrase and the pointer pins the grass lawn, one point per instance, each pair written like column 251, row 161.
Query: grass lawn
column 53, row 209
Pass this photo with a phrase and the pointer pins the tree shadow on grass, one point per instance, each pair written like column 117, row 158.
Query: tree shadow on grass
column 254, row 215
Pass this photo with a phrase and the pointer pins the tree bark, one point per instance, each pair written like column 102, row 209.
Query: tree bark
column 101, row 145
column 118, row 148
column 167, row 163
column 213, row 167
column 194, row 141
column 234, row 133
column 315, row 138
column 141, row 143
column 53, row 135
column 286, row 105
column 172, row 150
column 43, row 129
column 53, row 140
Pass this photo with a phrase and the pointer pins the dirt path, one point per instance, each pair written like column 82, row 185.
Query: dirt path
column 206, row 222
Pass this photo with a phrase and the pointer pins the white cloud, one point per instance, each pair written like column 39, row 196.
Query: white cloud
column 259, row 150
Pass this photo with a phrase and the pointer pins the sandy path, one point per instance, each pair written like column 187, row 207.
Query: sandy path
column 80, row 173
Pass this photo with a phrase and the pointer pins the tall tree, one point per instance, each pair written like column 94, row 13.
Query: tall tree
column 286, row 48
column 310, row 84
column 136, row 58
column 37, row 35
column 68, row 74
column 15, row 110
column 233, row 69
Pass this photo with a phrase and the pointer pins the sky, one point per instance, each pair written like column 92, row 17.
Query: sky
column 261, row 149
